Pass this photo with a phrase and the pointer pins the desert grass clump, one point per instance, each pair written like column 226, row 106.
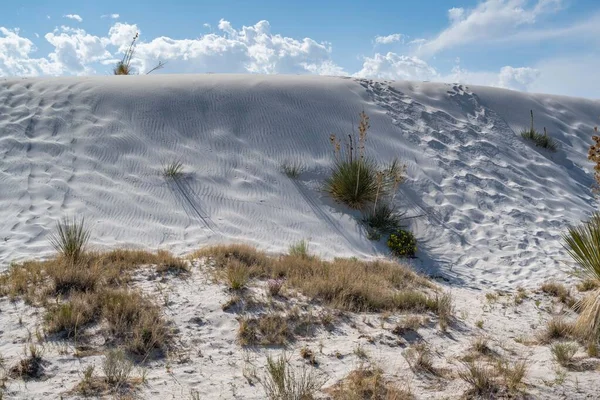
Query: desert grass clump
column 168, row 263
column 173, row 170
column 563, row 353
column 512, row 373
column 556, row 329
column 136, row 321
column 274, row 286
column 266, row 329
column 116, row 367
column 345, row 284
column 70, row 238
column 284, row 382
column 293, row 168
column 300, row 249
column 557, row 290
column 583, row 245
column 588, row 284
column 540, row 140
column 480, row 377
column 368, row 382
column 419, row 359
column 30, row 367
column 237, row 274
column 72, row 316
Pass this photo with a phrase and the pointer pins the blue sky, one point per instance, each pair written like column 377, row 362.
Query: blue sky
column 548, row 46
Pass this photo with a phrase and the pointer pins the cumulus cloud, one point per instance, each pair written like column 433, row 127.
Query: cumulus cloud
column 396, row 37
column 394, row 66
column 15, row 56
column 252, row 49
column 74, row 16
column 517, row 78
column 74, row 49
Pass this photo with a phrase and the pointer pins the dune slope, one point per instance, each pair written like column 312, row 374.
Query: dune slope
column 493, row 206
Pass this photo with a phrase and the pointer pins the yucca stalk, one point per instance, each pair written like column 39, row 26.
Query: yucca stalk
column 70, row 238
column 582, row 243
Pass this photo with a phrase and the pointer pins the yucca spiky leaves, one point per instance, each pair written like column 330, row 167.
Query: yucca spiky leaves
column 582, row 243
column 70, row 238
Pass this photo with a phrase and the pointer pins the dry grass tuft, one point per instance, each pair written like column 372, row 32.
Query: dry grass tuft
column 283, row 382
column 563, row 353
column 368, row 383
column 419, row 359
column 557, row 328
column 588, row 284
column 274, row 328
column 30, row 367
column 558, row 290
column 481, row 379
column 345, row 284
column 135, row 320
column 72, row 316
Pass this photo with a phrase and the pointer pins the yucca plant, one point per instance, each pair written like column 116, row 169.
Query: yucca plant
column 173, row 170
column 540, row 140
column 70, row 238
column 123, row 67
column 582, row 243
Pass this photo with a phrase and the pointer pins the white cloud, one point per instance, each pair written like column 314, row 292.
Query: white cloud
column 74, row 16
column 74, row 49
column 517, row 78
column 396, row 67
column 456, row 14
column 396, row 37
column 112, row 16
column 250, row 49
column 489, row 20
column 15, row 56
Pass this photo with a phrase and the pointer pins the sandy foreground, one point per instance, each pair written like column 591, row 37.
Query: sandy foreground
column 492, row 210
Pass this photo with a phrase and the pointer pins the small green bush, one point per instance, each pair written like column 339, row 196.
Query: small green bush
column 402, row 243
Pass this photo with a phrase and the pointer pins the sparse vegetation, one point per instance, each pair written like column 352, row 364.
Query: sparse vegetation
column 117, row 368
column 557, row 328
column 480, row 377
column 583, row 245
column 284, row 382
column 30, row 367
column 70, row 238
column 293, row 168
column 558, row 290
column 237, row 274
column 368, row 382
column 299, row 249
column 345, row 284
column 563, row 352
column 173, row 170
column 540, row 140
column 419, row 358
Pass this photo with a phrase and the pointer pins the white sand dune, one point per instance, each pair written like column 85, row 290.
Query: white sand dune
column 494, row 205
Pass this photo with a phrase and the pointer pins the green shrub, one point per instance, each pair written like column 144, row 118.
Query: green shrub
column 402, row 243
